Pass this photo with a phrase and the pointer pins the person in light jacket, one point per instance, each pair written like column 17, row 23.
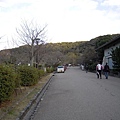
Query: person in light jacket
column 99, row 70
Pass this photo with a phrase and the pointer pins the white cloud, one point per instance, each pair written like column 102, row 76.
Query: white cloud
column 68, row 20
column 111, row 2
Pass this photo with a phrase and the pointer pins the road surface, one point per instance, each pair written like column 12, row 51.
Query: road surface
column 77, row 95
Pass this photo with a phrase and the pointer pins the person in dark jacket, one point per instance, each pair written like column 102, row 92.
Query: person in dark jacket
column 106, row 70
column 86, row 68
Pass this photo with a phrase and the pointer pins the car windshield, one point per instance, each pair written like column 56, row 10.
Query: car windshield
column 60, row 66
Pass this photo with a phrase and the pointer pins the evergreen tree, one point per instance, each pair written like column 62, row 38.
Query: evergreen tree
column 116, row 59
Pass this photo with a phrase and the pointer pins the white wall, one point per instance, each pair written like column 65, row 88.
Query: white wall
column 107, row 55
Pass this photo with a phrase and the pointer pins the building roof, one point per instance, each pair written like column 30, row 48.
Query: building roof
column 114, row 41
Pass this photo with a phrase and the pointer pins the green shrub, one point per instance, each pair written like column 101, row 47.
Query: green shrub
column 49, row 69
column 115, row 71
column 17, row 80
column 116, row 59
column 28, row 75
column 41, row 73
column 7, row 82
column 92, row 67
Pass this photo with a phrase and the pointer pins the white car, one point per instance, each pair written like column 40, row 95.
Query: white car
column 60, row 69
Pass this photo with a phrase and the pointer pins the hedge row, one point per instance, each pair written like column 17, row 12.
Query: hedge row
column 28, row 75
column 12, row 77
column 7, row 82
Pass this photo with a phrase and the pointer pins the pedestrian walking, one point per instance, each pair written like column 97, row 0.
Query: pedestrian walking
column 86, row 68
column 82, row 67
column 99, row 70
column 106, row 70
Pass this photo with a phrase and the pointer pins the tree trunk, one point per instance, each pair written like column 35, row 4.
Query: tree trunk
column 32, row 53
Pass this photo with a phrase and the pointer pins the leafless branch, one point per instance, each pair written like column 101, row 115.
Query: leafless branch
column 32, row 35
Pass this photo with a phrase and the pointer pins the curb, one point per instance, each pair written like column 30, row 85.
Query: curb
column 35, row 101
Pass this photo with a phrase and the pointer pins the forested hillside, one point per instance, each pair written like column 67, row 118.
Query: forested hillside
column 52, row 54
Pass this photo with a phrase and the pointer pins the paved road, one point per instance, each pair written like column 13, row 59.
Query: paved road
column 77, row 95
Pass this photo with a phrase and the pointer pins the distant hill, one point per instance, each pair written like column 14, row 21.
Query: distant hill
column 57, row 53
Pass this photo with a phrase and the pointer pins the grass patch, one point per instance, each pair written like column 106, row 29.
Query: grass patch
column 18, row 102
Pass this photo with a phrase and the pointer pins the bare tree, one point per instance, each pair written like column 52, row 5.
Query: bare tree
column 1, row 37
column 32, row 35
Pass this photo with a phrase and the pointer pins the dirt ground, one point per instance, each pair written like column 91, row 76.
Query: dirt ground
column 10, row 110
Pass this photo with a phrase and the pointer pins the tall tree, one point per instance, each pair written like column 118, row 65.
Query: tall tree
column 116, row 59
column 32, row 35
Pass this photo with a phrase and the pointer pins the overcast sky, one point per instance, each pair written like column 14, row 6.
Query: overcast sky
column 67, row 20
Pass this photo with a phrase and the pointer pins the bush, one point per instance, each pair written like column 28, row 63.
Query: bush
column 116, row 59
column 49, row 69
column 28, row 75
column 41, row 73
column 116, row 71
column 92, row 67
column 7, row 82
column 17, row 80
